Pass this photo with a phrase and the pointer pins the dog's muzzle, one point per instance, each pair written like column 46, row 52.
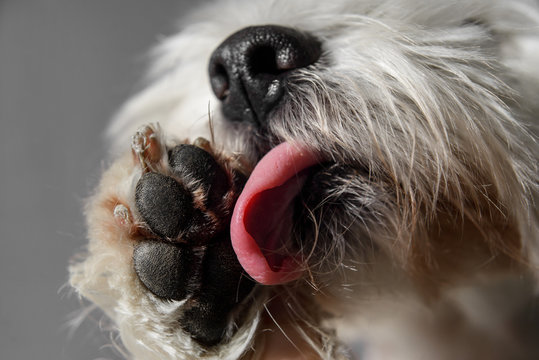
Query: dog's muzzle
column 249, row 73
column 249, row 70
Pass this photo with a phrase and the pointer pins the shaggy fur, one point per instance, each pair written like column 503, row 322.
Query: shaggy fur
column 421, row 236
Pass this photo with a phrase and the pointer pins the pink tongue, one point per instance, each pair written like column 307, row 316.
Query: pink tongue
column 262, row 220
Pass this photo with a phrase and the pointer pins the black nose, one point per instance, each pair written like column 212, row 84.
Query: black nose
column 249, row 70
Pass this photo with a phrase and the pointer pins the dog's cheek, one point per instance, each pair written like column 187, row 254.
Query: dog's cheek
column 339, row 206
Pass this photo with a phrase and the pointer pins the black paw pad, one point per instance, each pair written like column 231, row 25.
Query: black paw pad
column 164, row 268
column 205, row 321
column 165, row 206
column 222, row 286
column 209, row 276
column 192, row 162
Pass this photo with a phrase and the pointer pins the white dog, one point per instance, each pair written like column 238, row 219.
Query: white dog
column 326, row 180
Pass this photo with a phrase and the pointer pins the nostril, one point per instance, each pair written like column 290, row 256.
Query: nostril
column 219, row 81
column 263, row 60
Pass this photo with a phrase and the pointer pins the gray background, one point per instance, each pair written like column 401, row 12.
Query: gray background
column 65, row 67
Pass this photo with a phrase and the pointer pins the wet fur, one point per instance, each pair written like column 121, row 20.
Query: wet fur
column 423, row 219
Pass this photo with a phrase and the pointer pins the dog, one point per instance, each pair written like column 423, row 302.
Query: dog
column 348, row 179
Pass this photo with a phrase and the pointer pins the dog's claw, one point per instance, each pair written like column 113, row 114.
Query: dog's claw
column 122, row 215
column 146, row 147
column 203, row 144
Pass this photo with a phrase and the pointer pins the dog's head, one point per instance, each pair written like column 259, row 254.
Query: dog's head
column 379, row 135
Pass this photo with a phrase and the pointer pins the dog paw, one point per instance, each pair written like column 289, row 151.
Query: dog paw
column 180, row 223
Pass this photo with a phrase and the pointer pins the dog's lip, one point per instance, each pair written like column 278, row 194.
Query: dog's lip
column 261, row 224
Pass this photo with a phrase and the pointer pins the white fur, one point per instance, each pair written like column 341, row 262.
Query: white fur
column 436, row 99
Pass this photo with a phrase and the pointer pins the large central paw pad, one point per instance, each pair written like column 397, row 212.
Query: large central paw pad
column 184, row 199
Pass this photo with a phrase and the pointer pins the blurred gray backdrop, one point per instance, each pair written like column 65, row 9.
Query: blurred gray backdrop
column 65, row 67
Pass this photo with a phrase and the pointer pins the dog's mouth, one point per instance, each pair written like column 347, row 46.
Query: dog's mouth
column 249, row 72
column 262, row 222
